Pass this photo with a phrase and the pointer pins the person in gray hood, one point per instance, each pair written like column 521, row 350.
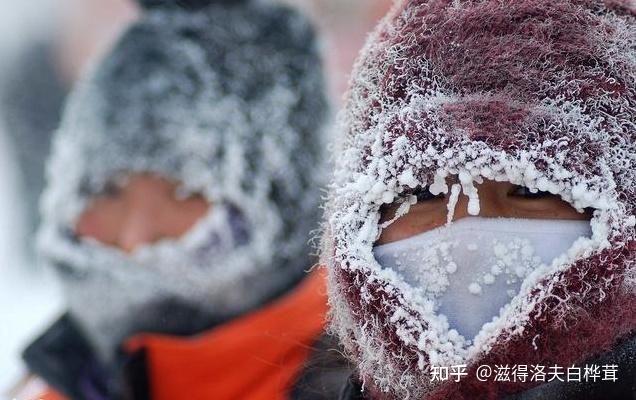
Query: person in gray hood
column 182, row 188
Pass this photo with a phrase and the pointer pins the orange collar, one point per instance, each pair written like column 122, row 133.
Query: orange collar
column 255, row 357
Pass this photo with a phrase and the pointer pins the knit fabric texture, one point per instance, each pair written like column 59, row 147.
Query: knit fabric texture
column 538, row 93
column 227, row 99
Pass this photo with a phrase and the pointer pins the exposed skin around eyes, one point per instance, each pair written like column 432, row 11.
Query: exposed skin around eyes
column 497, row 199
column 144, row 210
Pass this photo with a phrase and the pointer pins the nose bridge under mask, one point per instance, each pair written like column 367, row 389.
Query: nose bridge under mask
column 474, row 266
column 134, row 233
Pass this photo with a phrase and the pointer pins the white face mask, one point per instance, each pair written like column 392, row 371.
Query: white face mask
column 474, row 266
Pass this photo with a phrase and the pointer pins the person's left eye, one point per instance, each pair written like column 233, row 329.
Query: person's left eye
column 110, row 190
column 423, row 194
column 524, row 192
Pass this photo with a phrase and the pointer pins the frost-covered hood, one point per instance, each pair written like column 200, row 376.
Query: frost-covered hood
column 537, row 93
column 226, row 98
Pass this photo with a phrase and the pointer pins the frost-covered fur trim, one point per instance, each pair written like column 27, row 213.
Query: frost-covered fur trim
column 538, row 93
column 229, row 101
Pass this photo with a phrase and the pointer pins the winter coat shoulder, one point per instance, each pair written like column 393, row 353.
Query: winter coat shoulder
column 277, row 352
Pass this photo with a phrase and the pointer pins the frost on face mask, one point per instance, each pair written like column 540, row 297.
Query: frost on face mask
column 227, row 99
column 438, row 91
column 472, row 268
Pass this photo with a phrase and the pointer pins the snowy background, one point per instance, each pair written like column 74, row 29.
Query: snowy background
column 81, row 29
column 28, row 297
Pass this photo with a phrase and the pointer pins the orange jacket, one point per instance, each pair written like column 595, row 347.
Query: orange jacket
column 257, row 356
column 50, row 395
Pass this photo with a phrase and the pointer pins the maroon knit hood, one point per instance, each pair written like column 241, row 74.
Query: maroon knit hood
column 539, row 93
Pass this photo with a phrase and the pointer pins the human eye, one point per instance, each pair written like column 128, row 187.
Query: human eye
column 525, row 193
column 110, row 189
column 423, row 194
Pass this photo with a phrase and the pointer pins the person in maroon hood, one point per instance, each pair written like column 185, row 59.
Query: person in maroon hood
column 479, row 230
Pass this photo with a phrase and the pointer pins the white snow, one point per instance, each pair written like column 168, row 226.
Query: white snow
column 29, row 297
